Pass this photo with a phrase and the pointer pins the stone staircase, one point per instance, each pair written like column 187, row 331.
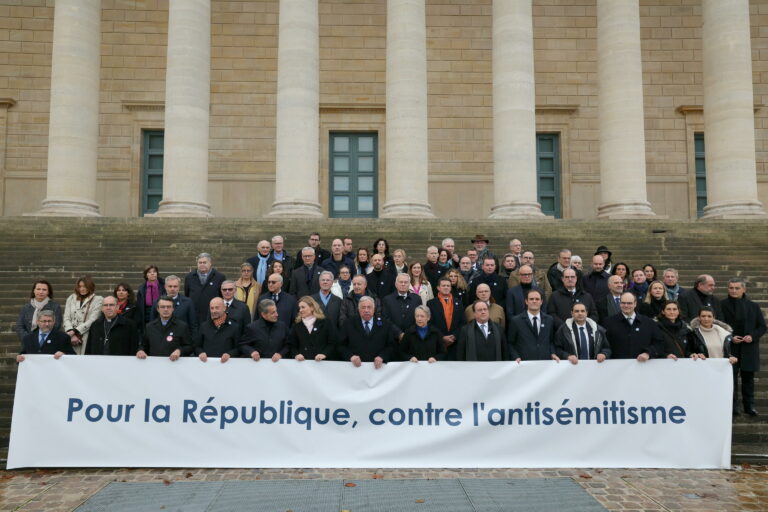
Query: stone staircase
column 112, row 250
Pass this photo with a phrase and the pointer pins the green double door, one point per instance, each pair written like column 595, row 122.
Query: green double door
column 353, row 176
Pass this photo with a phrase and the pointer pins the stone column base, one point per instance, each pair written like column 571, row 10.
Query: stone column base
column 183, row 209
column 296, row 209
column 734, row 210
column 67, row 208
column 626, row 210
column 517, row 210
column 404, row 210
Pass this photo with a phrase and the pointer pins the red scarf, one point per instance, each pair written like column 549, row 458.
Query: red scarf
column 218, row 323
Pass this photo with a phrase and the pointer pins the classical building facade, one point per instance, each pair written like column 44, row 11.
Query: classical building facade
column 384, row 108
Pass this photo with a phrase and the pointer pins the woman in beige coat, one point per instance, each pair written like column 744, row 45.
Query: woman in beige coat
column 82, row 309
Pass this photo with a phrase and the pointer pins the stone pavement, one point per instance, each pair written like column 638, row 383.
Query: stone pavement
column 741, row 488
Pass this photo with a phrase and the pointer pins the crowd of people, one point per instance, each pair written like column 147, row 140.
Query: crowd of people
column 376, row 306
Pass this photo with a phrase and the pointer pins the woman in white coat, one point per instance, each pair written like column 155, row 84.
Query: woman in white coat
column 82, row 309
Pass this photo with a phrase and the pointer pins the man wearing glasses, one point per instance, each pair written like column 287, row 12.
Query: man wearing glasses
column 285, row 302
column 516, row 295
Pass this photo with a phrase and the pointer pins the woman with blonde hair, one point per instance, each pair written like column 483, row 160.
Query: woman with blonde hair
column 459, row 286
column 419, row 284
column 398, row 257
column 247, row 288
column 82, row 309
column 312, row 335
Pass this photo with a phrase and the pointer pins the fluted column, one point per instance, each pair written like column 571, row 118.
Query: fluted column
column 73, row 132
column 407, row 153
column 187, row 110
column 729, row 124
column 514, row 112
column 621, row 119
column 298, row 117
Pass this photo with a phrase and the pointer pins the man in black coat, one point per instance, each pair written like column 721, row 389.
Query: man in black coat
column 442, row 303
column 610, row 304
column 202, row 285
column 692, row 300
column 266, row 337
column 399, row 307
column 261, row 261
column 349, row 305
column 337, row 259
column 596, row 282
column 286, row 303
column 562, row 300
column 218, row 336
column 367, row 338
column 320, row 254
column 183, row 308
column 236, row 309
column 631, row 335
column 305, row 278
column 582, row 338
column 278, row 254
column 481, row 339
column 515, row 303
column 748, row 324
column 45, row 340
column 495, row 282
column 381, row 280
column 555, row 271
column 112, row 334
column 165, row 336
column 329, row 302
column 531, row 335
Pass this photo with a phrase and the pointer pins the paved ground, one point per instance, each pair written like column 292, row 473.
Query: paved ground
column 742, row 488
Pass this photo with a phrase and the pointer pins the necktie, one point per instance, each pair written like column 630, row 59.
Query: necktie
column 484, row 328
column 617, row 299
column 309, row 275
column 368, row 327
column 42, row 339
column 536, row 325
column 274, row 297
column 583, row 345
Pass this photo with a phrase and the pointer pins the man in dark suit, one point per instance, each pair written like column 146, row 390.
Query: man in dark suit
column 236, row 309
column 631, row 335
column 112, row 334
column 562, row 300
column 183, row 308
column 266, row 337
column 399, row 307
column 202, row 285
column 367, row 338
column 218, row 336
column 531, row 335
column 596, row 282
column 515, row 304
column 330, row 303
column 691, row 301
column 44, row 340
column 481, row 339
column 381, row 280
column 349, row 305
column 447, row 316
column 489, row 276
column 286, row 303
column 320, row 254
column 165, row 336
column 305, row 279
column 581, row 337
column 610, row 304
column 337, row 259
column 278, row 254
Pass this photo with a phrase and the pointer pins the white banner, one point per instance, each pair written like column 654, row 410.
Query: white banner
column 120, row 411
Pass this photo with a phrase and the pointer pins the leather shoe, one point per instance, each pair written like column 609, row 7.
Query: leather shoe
column 751, row 411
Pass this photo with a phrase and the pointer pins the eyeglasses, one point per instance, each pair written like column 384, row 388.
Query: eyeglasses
column 272, row 282
column 526, row 275
column 227, row 289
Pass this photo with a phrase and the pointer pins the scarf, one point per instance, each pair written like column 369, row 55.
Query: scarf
column 153, row 293
column 345, row 284
column 422, row 331
column 309, row 322
column 261, row 269
column 121, row 306
column 220, row 321
column 673, row 292
column 37, row 308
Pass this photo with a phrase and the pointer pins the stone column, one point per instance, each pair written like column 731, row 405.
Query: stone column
column 729, row 124
column 623, row 187
column 298, row 111
column 514, row 112
column 187, row 110
column 407, row 153
column 73, row 132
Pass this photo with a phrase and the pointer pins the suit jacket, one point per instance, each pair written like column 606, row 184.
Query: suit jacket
column 266, row 338
column 121, row 340
column 606, row 308
column 353, row 340
column 201, row 294
column 238, row 311
column 692, row 301
column 525, row 344
column 561, row 302
column 299, row 286
column 56, row 341
column 753, row 324
column 287, row 307
column 163, row 340
column 628, row 342
column 470, row 335
column 24, row 322
column 516, row 300
column 349, row 307
column 320, row 256
column 215, row 341
column 400, row 312
column 321, row 340
column 184, row 310
column 497, row 283
column 567, row 340
column 332, row 311
column 438, row 321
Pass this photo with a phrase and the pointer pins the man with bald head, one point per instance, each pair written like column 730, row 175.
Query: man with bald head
column 337, row 259
column 112, row 334
column 381, row 279
column 596, row 282
column 515, row 304
column 610, row 304
column 631, row 335
column 218, row 336
column 692, row 300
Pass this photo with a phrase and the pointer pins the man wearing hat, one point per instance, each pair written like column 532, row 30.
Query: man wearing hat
column 606, row 254
column 480, row 242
